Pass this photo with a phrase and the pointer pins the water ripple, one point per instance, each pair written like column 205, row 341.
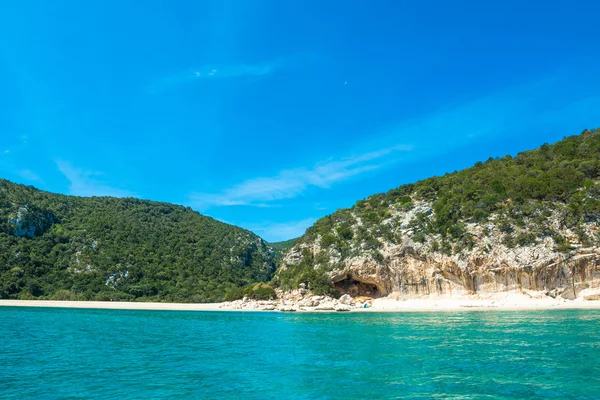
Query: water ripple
column 104, row 354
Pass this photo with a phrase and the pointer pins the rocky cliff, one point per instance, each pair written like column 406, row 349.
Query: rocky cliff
column 527, row 224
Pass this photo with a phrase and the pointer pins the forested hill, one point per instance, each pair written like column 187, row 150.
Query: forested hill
column 101, row 248
column 547, row 199
column 542, row 204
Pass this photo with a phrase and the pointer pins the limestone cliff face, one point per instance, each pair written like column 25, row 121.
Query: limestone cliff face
column 528, row 223
column 558, row 265
column 408, row 274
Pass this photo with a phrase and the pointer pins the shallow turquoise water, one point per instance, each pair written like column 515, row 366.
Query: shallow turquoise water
column 61, row 353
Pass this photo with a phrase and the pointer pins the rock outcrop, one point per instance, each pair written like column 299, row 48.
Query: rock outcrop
column 405, row 273
column 413, row 269
column 528, row 223
column 30, row 221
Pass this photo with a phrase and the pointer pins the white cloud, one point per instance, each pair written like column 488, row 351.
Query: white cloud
column 275, row 232
column 85, row 183
column 29, row 175
column 293, row 182
column 214, row 72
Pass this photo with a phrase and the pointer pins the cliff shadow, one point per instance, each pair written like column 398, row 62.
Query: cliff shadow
column 356, row 288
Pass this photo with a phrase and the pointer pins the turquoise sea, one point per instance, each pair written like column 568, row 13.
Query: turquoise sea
column 116, row 354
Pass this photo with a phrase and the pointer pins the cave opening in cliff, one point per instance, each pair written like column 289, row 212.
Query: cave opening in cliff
column 357, row 288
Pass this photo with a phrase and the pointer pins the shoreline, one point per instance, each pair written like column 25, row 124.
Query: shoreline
column 384, row 305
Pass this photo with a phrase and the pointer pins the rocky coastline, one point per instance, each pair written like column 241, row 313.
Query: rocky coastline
column 302, row 300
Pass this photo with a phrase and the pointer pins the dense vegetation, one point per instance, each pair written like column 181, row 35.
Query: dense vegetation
column 71, row 248
column 517, row 195
column 281, row 248
column 100, row 248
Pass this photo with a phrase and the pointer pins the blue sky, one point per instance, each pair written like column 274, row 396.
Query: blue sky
column 272, row 114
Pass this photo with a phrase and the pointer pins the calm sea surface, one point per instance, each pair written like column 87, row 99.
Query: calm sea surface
column 106, row 354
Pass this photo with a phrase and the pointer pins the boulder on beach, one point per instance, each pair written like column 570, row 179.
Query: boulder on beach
column 325, row 306
column 346, row 299
column 343, row 307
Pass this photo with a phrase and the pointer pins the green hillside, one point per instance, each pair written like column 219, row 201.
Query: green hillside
column 101, row 248
column 281, row 248
column 521, row 195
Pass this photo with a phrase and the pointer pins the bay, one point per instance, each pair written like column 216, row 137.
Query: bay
column 52, row 353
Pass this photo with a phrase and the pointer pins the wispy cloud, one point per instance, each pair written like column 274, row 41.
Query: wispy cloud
column 293, row 182
column 87, row 183
column 29, row 175
column 212, row 72
column 494, row 115
column 512, row 111
column 275, row 232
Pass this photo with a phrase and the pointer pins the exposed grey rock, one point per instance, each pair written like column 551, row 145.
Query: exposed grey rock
column 346, row 299
column 409, row 269
column 308, row 303
column 30, row 222
column 325, row 306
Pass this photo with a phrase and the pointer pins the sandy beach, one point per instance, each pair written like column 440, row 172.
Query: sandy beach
column 500, row 301
column 117, row 305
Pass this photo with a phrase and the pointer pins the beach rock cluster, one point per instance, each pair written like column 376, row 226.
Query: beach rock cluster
column 248, row 304
column 299, row 300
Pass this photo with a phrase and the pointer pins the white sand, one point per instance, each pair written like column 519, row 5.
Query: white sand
column 498, row 301
column 111, row 305
column 507, row 302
